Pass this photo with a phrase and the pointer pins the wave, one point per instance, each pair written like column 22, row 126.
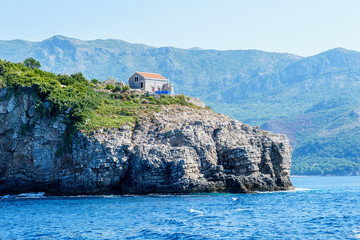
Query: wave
column 356, row 234
column 240, row 209
column 25, row 195
column 42, row 194
column 196, row 211
column 286, row 191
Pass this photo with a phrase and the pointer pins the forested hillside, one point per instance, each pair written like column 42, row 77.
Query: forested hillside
column 314, row 100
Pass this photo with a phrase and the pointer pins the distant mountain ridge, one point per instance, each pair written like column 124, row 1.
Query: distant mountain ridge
column 314, row 100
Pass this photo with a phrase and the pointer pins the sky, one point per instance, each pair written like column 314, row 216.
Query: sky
column 301, row 27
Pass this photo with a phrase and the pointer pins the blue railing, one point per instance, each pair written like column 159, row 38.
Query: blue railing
column 163, row 92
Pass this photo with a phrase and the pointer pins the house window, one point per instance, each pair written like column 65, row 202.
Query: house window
column 142, row 84
column 153, row 89
column 136, row 79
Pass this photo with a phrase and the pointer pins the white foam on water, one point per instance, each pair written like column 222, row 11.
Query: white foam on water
column 24, row 195
column 31, row 195
column 7, row 196
column 196, row 211
column 356, row 234
column 234, row 198
column 239, row 210
column 263, row 192
column 286, row 191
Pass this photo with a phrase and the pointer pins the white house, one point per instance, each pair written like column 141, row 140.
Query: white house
column 150, row 82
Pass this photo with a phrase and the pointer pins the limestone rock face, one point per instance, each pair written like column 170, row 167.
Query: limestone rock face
column 178, row 150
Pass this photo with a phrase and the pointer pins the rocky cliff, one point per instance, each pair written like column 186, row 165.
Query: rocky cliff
column 177, row 150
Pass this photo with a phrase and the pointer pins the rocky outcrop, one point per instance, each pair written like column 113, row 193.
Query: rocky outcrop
column 177, row 150
column 196, row 102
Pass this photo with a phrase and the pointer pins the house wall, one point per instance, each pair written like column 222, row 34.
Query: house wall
column 136, row 85
column 156, row 84
column 148, row 83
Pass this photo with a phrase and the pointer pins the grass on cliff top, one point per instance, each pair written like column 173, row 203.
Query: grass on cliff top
column 86, row 105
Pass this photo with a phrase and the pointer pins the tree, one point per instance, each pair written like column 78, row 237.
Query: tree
column 79, row 77
column 95, row 81
column 32, row 63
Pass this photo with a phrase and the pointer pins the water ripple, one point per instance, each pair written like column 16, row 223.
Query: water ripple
column 319, row 208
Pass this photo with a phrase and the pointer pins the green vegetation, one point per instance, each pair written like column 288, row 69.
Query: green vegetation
column 331, row 155
column 32, row 63
column 252, row 86
column 325, row 166
column 110, row 87
column 85, row 106
column 55, row 94
column 95, row 81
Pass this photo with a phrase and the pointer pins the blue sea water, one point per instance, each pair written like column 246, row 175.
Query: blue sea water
column 319, row 208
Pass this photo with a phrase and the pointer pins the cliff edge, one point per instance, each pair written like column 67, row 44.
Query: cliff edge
column 177, row 149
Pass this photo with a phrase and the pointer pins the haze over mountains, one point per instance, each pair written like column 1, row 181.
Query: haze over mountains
column 314, row 100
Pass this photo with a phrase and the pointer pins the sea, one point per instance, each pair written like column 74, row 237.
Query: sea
column 318, row 208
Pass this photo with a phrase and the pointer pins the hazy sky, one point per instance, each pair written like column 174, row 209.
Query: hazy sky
column 303, row 27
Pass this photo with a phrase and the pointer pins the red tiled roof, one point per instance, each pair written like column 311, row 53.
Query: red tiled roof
column 151, row 75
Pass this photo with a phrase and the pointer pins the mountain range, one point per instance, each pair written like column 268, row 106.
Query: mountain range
column 313, row 100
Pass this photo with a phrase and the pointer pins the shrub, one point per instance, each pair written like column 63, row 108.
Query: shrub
column 110, row 87
column 117, row 89
column 126, row 88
